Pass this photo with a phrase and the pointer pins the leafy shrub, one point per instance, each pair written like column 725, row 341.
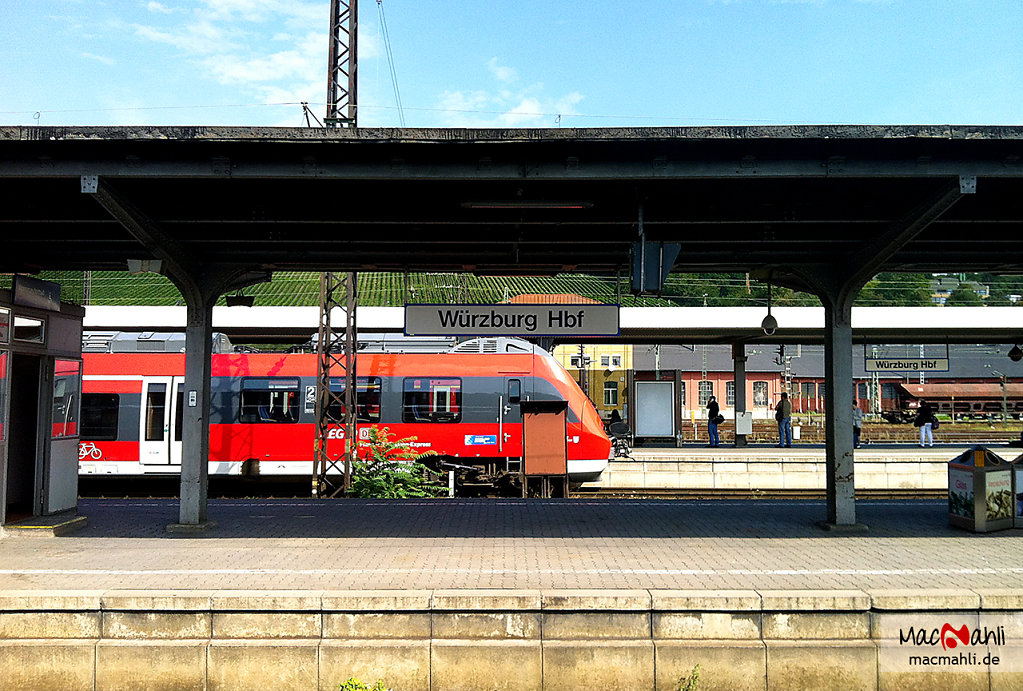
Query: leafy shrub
column 691, row 682
column 354, row 684
column 392, row 470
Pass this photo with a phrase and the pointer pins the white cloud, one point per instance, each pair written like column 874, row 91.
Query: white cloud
column 158, row 8
column 201, row 37
column 299, row 62
column 100, row 58
column 529, row 106
column 504, row 74
column 269, row 50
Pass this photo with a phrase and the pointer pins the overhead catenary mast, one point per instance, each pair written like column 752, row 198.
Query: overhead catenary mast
column 334, row 407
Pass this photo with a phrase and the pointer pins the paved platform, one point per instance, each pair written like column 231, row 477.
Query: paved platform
column 513, row 544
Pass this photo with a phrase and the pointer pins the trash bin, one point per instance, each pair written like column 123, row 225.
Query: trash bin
column 980, row 491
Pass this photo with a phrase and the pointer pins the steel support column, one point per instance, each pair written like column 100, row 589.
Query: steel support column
column 837, row 285
column 200, row 286
column 839, row 468
column 739, row 387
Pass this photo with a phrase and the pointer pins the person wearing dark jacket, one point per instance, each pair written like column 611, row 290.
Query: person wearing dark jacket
column 924, row 420
column 712, row 426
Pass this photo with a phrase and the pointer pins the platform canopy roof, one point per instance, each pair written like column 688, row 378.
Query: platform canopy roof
column 513, row 201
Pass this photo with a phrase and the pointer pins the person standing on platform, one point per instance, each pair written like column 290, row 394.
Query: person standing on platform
column 857, row 424
column 712, row 425
column 783, row 414
column 925, row 421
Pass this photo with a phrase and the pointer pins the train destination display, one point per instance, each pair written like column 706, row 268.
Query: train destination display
column 511, row 320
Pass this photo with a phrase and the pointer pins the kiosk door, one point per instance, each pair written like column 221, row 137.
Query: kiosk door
column 160, row 421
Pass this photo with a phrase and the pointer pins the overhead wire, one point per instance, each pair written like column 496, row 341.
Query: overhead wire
column 390, row 61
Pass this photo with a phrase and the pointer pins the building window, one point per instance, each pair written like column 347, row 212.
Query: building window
column 610, row 394
column 760, row 393
column 889, row 390
column 431, row 400
column 29, row 329
column 706, row 391
column 605, row 360
column 861, row 390
column 616, row 360
column 821, row 389
column 730, row 393
column 269, row 400
column 808, row 390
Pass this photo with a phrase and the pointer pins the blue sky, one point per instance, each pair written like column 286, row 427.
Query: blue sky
column 481, row 63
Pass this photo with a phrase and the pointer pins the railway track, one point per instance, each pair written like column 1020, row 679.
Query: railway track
column 643, row 493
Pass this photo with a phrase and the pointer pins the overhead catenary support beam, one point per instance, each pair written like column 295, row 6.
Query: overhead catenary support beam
column 837, row 286
column 200, row 286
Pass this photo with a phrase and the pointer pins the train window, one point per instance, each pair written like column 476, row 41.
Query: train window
column 99, row 416
column 514, row 390
column 179, row 408
column 706, row 391
column 5, row 325
column 266, row 399
column 760, row 393
column 67, row 385
column 156, row 404
column 610, row 393
column 367, row 402
column 730, row 393
column 431, row 400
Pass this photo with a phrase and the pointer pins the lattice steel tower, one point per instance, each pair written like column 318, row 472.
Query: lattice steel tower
column 342, row 66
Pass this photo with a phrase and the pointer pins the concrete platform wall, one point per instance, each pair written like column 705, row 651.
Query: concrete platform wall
column 737, row 470
column 486, row 639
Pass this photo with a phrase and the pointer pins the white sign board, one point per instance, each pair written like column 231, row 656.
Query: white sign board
column 511, row 320
column 905, row 364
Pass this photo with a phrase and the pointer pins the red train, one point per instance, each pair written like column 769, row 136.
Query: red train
column 463, row 403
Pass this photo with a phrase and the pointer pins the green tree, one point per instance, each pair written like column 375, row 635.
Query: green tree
column 964, row 297
column 896, row 290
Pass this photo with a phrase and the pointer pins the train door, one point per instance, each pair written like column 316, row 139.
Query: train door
column 510, row 419
column 160, row 421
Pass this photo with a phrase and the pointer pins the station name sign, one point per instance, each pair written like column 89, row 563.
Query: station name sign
column 511, row 320
column 903, row 364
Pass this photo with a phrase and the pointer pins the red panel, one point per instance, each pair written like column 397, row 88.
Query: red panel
column 108, row 451
column 111, row 386
column 147, row 364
